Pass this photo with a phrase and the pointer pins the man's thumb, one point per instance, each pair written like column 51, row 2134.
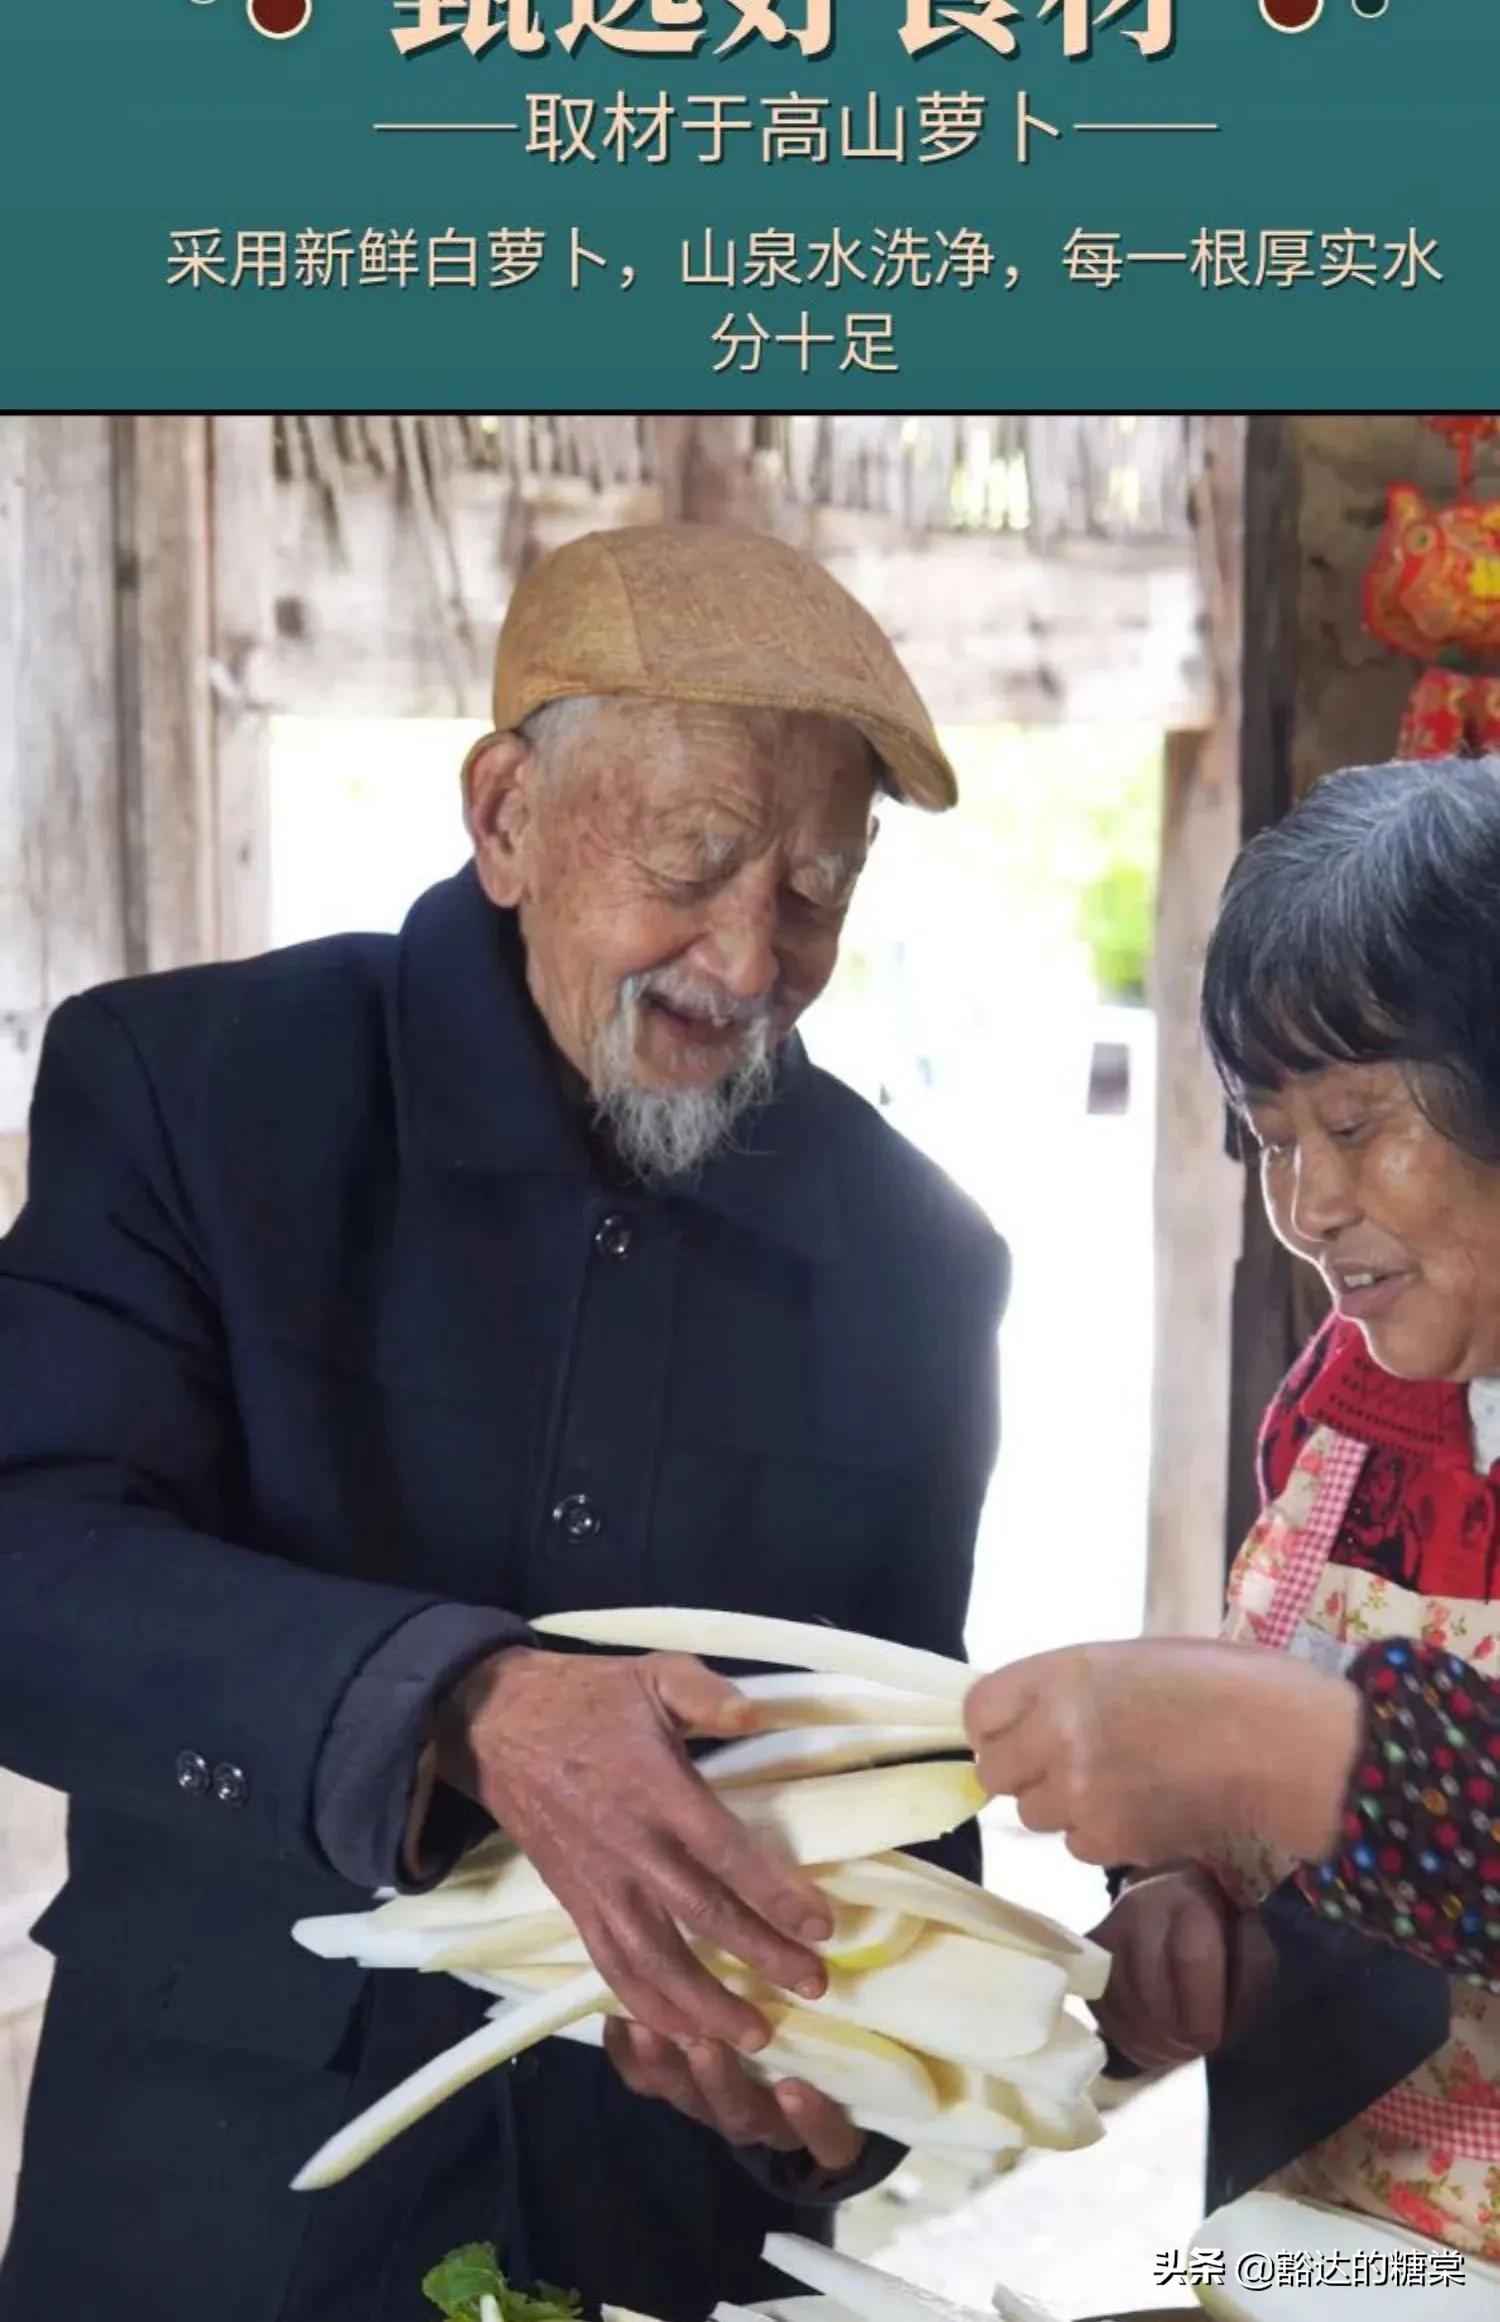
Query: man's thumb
column 702, row 1704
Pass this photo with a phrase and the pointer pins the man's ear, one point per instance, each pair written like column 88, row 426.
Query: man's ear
column 497, row 814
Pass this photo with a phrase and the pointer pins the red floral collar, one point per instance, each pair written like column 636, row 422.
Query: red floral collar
column 1352, row 1393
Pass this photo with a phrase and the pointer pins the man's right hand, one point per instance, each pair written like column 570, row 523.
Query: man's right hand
column 580, row 1760
column 1167, row 1997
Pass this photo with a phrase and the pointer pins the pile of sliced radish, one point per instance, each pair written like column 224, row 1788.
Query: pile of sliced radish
column 945, row 2022
column 849, row 2290
column 1389, row 2273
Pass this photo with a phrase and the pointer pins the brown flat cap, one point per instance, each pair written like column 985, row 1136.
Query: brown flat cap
column 696, row 613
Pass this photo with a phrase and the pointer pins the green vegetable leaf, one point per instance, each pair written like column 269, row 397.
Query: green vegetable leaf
column 466, row 2275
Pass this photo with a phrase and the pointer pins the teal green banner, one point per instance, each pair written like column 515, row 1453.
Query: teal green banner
column 748, row 204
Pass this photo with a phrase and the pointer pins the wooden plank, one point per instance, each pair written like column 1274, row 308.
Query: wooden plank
column 21, row 937
column 12, row 1177
column 242, row 507
column 1262, row 1325
column 1197, row 1189
column 1095, row 635
column 166, row 713
column 62, row 913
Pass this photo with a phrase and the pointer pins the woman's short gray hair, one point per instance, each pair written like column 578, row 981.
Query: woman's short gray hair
column 1365, row 928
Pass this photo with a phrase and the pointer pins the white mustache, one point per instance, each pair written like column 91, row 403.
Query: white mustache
column 695, row 996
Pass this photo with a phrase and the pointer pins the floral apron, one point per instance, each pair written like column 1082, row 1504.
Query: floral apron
column 1427, row 2155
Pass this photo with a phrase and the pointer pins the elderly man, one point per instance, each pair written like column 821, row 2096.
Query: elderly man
column 376, row 1296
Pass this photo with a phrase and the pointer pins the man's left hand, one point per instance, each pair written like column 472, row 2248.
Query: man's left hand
column 710, row 2084
column 1168, row 1747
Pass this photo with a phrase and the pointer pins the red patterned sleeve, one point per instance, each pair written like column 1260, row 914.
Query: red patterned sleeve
column 1419, row 1862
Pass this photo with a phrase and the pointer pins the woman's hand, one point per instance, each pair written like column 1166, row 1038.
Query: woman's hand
column 1168, row 1995
column 1147, row 1752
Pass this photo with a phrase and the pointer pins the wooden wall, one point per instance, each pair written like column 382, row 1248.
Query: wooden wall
column 107, row 847
column 1197, row 1189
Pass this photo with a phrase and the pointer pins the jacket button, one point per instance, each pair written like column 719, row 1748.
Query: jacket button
column 193, row 1776
column 578, row 1517
column 231, row 1787
column 614, row 1237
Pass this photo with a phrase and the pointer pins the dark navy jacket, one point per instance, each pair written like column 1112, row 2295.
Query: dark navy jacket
column 308, row 1329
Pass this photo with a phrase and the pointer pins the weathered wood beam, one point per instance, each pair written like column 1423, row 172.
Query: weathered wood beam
column 994, row 632
column 165, row 706
column 1197, row 1193
column 62, row 909
column 242, row 514
column 1263, row 1328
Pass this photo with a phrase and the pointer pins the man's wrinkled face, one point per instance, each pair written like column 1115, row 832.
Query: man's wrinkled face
column 681, row 875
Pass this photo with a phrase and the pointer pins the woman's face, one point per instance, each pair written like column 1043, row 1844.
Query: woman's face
column 1403, row 1226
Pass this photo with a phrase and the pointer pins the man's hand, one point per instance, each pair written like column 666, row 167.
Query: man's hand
column 1148, row 1752
column 1167, row 1998
column 711, row 2085
column 580, row 1760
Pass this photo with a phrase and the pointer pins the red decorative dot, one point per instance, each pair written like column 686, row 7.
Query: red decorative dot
column 1371, row 1778
column 1384, row 1681
column 1392, row 1861
column 1460, row 1704
column 1479, row 1790
column 279, row 19
column 1424, row 1911
column 1444, row 1760
column 1291, row 15
column 1489, row 1870
column 1445, row 1835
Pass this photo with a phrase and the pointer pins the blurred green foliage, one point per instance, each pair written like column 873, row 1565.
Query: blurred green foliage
column 1073, row 816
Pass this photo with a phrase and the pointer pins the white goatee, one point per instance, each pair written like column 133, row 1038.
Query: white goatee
column 666, row 1134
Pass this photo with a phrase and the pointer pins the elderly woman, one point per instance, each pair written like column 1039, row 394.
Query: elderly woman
column 1347, row 1770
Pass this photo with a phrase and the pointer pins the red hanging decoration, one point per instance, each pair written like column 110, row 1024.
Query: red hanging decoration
column 1465, row 431
column 1432, row 590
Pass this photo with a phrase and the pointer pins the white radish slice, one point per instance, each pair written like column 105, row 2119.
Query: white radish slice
column 1010, row 2306
column 967, row 2130
column 806, row 2309
column 1067, row 2066
column 494, row 2043
column 513, row 1888
column 801, row 1697
column 902, row 1882
column 863, row 1939
column 867, row 2291
column 848, row 2063
column 820, row 1819
column 738, row 1636
column 360, row 1935
column 953, row 1997
column 535, row 1939
column 588, row 2032
column 831, row 1816
column 1264, row 2221
column 820, row 1749
column 1048, row 2091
